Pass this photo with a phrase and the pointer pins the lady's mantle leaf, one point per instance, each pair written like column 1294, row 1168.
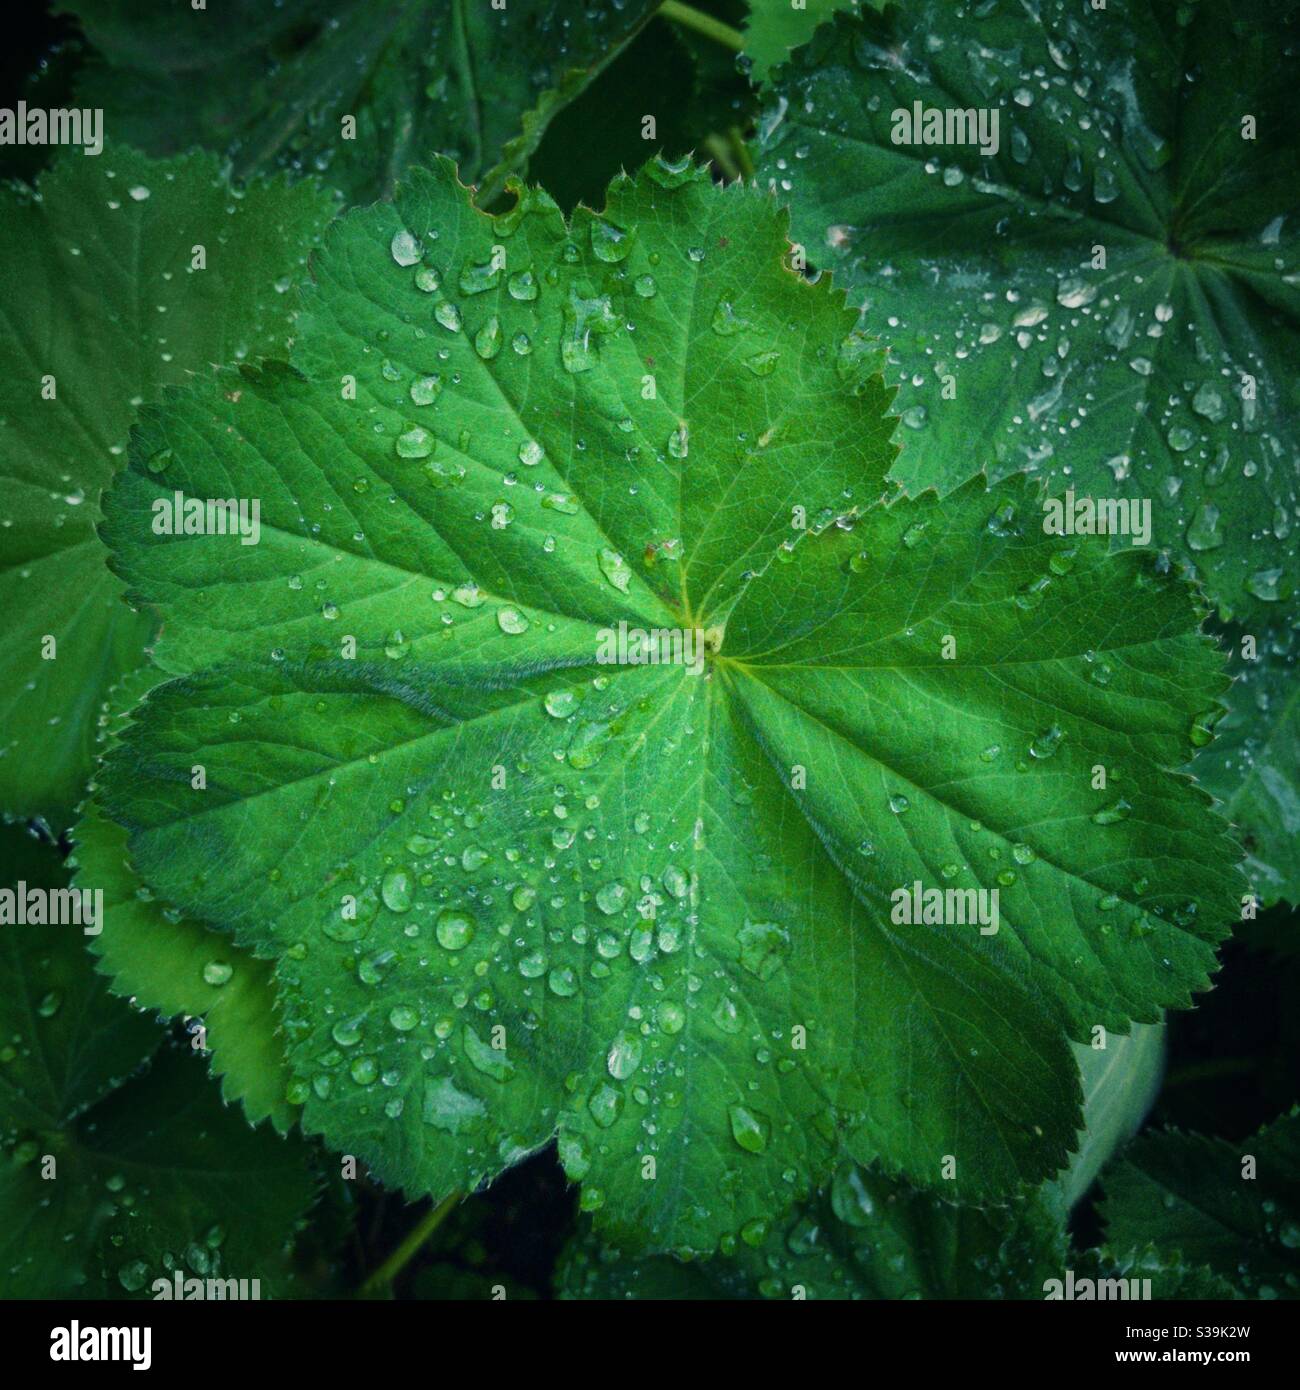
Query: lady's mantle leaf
column 160, row 961
column 1158, row 135
column 513, row 889
column 66, row 1043
column 104, row 306
column 868, row 1237
column 865, row 1237
column 101, row 1190
column 1233, row 1208
column 1253, row 763
column 774, row 27
column 273, row 85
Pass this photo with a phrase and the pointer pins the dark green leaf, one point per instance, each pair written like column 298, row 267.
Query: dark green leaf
column 1165, row 375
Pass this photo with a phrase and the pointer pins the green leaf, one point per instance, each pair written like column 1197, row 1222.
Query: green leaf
column 614, row 872
column 1119, row 130
column 158, row 1177
column 865, row 1238
column 103, row 310
column 66, row 1043
column 1253, row 763
column 776, row 26
column 1120, row 1082
column 273, row 85
column 101, row 1188
column 1169, row 1277
column 177, row 967
column 1196, row 1198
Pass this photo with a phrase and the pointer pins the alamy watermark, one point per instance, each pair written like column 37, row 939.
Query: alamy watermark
column 1095, row 1290
column 657, row 646
column 933, row 125
column 33, row 125
column 179, row 515
column 1098, row 516
column 52, row 907
column 948, row 907
column 180, row 1288
column 77, row 1343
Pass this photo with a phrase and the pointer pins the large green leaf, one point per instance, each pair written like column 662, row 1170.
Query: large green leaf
column 100, row 299
column 607, row 868
column 774, row 27
column 273, row 84
column 867, row 1237
column 1253, row 764
column 1016, row 349
column 864, row 1238
column 1233, row 1208
column 161, row 961
column 152, row 1175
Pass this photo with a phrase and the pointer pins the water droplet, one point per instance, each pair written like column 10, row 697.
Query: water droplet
column 491, row 1061
column 449, row 1109
column 426, row 389
column 616, row 569
column 1046, row 744
column 405, row 248
column 749, row 1128
column 454, row 929
column 416, row 443
column 605, row 1104
column 1203, row 533
column 1267, row 585
column 610, row 243
column 763, row 363
column 489, row 338
column 726, row 321
column 523, row 286
column 624, row 1056
column 763, row 948
column 560, row 704
column 612, row 898
column 397, row 890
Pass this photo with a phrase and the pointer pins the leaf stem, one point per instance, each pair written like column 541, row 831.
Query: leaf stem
column 383, row 1277
column 691, row 18
column 720, row 148
column 742, row 154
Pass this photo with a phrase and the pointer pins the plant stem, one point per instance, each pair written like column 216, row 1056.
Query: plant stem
column 691, row 18
column 383, row 1277
column 720, row 149
column 741, row 150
